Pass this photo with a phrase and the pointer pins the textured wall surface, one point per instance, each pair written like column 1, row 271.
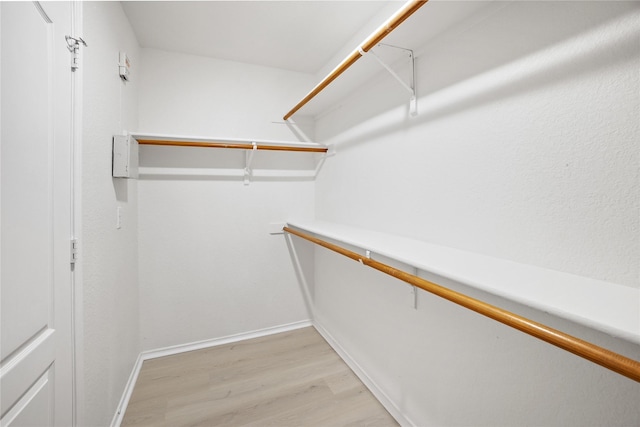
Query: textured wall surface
column 525, row 148
column 208, row 267
column 109, row 256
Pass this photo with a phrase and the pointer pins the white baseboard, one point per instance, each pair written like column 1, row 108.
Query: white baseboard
column 199, row 345
column 126, row 395
column 382, row 397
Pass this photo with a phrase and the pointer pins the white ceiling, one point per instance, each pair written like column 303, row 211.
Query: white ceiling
column 295, row 35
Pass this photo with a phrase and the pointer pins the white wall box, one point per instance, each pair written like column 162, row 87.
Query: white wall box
column 125, row 157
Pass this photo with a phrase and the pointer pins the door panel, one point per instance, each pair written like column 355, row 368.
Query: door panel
column 35, row 408
column 35, row 215
column 26, row 367
column 26, row 176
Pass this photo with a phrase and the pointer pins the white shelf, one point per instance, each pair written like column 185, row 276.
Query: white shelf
column 211, row 139
column 604, row 306
column 245, row 171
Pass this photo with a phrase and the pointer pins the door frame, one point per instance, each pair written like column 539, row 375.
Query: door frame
column 77, row 315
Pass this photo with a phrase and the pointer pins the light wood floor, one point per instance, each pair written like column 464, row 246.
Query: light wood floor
column 289, row 379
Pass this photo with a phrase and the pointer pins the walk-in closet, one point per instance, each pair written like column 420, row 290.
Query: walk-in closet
column 320, row 213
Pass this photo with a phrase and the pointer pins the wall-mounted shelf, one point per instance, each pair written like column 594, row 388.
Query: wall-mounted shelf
column 608, row 307
column 250, row 146
column 369, row 43
column 604, row 306
column 230, row 143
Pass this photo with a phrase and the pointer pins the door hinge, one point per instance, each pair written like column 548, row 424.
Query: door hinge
column 73, row 44
column 74, row 250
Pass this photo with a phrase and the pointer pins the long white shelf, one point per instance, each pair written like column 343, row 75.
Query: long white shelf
column 211, row 139
column 248, row 145
column 604, row 306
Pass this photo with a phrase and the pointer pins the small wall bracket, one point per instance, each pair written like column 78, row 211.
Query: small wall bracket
column 411, row 85
column 248, row 159
column 330, row 153
column 414, row 290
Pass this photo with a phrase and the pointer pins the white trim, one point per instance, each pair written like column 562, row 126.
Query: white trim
column 198, row 345
column 77, row 289
column 373, row 387
column 42, row 12
column 128, row 391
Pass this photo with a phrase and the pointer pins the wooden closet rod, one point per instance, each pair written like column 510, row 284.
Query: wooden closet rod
column 616, row 362
column 398, row 18
column 243, row 146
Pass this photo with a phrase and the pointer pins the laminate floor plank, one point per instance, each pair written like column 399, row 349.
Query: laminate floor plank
column 289, row 379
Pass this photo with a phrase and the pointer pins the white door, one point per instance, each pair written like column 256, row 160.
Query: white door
column 35, row 214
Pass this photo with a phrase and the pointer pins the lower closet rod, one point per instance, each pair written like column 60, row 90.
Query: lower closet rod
column 616, row 362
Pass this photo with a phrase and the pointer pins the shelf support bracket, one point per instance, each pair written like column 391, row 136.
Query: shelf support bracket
column 411, row 86
column 331, row 151
column 248, row 159
column 414, row 290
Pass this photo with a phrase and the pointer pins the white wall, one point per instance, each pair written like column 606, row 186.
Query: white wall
column 522, row 152
column 109, row 257
column 208, row 267
column 524, row 148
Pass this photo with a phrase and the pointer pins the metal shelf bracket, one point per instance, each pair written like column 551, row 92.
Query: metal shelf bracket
column 248, row 159
column 331, row 151
column 411, row 86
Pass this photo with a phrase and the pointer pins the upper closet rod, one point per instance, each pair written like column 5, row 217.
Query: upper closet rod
column 616, row 362
column 398, row 18
column 244, row 146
